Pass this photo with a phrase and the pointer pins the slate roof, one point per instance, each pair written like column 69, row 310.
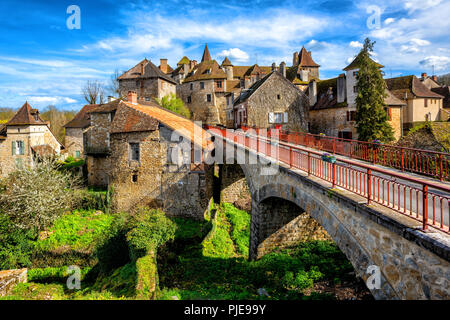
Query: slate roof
column 81, row 119
column 355, row 64
column 106, row 108
column 184, row 60
column 26, row 115
column 206, row 55
column 233, row 85
column 409, row 85
column 241, row 71
column 150, row 71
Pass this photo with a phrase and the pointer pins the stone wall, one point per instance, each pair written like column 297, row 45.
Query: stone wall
column 208, row 112
column 147, row 88
column 265, row 100
column 233, row 184
column 158, row 182
column 74, row 141
column 9, row 278
column 413, row 265
column 331, row 121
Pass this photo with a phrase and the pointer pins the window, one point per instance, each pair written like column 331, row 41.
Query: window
column 192, row 86
column 208, row 71
column 19, row 163
column 388, row 113
column 351, row 115
column 77, row 154
column 355, row 89
column 278, row 97
column 202, row 85
column 134, row 178
column 208, row 98
column 426, row 103
column 189, row 99
column 355, row 73
column 278, row 117
column 134, row 151
column 219, row 84
column 18, row 148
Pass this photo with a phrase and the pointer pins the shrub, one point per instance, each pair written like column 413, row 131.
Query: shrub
column 35, row 196
column 149, row 230
column 15, row 245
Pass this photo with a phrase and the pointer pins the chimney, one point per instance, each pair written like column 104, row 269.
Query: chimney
column 424, row 75
column 295, row 59
column 186, row 69
column 229, row 71
column 341, row 92
column 312, row 88
column 434, row 78
column 193, row 63
column 283, row 68
column 163, row 65
column 132, row 97
column 274, row 67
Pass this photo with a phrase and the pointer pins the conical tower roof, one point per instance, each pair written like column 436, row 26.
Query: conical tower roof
column 206, row 55
column 226, row 62
column 26, row 115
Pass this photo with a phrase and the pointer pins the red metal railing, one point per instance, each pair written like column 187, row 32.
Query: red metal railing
column 424, row 201
column 425, row 162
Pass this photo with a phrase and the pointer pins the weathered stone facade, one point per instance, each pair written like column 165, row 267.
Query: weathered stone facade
column 152, row 179
column 74, row 142
column 272, row 95
column 23, row 138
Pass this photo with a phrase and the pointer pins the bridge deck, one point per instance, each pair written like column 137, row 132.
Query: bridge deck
column 420, row 198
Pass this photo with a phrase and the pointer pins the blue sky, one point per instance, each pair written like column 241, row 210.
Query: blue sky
column 44, row 62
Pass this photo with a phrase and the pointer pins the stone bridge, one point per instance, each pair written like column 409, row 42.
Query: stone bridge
column 412, row 264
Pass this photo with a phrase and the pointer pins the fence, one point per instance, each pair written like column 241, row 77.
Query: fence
column 424, row 201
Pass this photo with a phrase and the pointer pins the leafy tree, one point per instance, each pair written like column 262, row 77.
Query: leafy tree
column 172, row 103
column 33, row 197
column 371, row 117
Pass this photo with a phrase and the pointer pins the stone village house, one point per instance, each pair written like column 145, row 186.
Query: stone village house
column 147, row 80
column 24, row 137
column 272, row 102
column 129, row 149
column 75, row 129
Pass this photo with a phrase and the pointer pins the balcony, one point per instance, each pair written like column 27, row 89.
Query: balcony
column 97, row 150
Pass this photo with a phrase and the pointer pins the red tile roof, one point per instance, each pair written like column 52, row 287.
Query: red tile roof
column 305, row 59
column 26, row 115
column 81, row 119
column 150, row 71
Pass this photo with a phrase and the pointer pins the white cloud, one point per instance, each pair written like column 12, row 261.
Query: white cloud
column 420, row 42
column 235, row 54
column 389, row 21
column 413, row 5
column 356, row 44
column 438, row 62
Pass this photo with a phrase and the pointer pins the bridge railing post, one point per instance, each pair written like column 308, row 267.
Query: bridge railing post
column 334, row 145
column 309, row 163
column 369, row 185
column 441, row 168
column 290, row 157
column 351, row 149
column 333, row 183
column 403, row 158
column 425, row 207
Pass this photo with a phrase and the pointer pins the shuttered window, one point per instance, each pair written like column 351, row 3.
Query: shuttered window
column 18, row 147
column 134, row 152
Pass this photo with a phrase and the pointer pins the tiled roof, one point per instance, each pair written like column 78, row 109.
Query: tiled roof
column 150, row 71
column 392, row 100
column 241, row 71
column 26, row 115
column 144, row 117
column 355, row 64
column 409, row 85
column 169, row 69
column 43, row 150
column 206, row 70
column 184, row 60
column 81, row 119
column 233, row 85
column 106, row 108
column 206, row 55
column 305, row 59
column 226, row 62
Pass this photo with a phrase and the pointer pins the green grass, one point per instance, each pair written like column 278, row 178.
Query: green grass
column 217, row 268
column 79, row 230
